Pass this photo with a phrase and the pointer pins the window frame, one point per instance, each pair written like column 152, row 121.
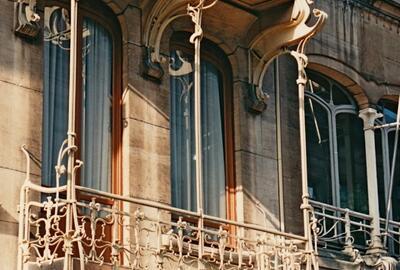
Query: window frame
column 386, row 157
column 102, row 15
column 216, row 56
column 332, row 110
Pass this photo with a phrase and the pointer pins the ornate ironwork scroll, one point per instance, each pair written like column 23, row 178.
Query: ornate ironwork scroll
column 156, row 236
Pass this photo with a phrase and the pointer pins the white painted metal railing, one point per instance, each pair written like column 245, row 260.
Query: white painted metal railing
column 143, row 234
column 392, row 231
column 345, row 230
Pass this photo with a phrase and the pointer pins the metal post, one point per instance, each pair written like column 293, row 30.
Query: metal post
column 369, row 116
column 71, row 133
column 197, row 123
column 348, row 248
column 303, row 151
column 301, row 81
column 196, row 14
column 279, row 145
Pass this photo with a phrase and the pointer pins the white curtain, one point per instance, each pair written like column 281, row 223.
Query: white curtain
column 182, row 141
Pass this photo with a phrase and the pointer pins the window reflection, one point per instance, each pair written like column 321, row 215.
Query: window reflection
column 318, row 152
column 335, row 146
column 385, row 139
column 351, row 157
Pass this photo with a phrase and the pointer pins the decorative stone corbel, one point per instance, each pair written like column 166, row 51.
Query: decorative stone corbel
column 280, row 37
column 27, row 24
column 151, row 69
column 256, row 98
column 162, row 14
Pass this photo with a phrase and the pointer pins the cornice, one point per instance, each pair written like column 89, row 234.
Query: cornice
column 373, row 6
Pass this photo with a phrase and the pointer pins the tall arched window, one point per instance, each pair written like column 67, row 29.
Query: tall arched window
column 335, row 145
column 98, row 113
column 384, row 140
column 217, row 132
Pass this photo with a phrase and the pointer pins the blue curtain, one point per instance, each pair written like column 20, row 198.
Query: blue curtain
column 96, row 106
column 55, row 92
column 182, row 140
column 95, row 137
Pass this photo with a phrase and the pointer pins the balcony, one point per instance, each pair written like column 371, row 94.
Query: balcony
column 142, row 234
column 59, row 229
column 349, row 233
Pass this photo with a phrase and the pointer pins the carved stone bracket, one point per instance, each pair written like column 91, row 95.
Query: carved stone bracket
column 163, row 13
column 274, row 41
column 256, row 99
column 152, row 70
column 27, row 19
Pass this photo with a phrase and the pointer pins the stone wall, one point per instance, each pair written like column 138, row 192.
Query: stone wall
column 20, row 113
column 358, row 47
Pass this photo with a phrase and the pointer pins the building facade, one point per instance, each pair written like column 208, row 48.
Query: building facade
column 174, row 134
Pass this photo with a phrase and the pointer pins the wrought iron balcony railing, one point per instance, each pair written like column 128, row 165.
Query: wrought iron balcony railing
column 346, row 230
column 142, row 234
column 107, row 229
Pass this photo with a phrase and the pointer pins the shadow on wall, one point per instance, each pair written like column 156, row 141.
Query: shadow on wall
column 7, row 218
column 268, row 218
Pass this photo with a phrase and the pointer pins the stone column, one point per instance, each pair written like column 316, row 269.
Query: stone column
column 369, row 116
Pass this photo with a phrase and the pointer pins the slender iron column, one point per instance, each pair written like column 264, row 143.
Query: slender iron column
column 196, row 14
column 279, row 144
column 301, row 81
column 71, row 134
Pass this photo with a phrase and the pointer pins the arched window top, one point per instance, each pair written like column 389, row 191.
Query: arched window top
column 328, row 91
column 98, row 12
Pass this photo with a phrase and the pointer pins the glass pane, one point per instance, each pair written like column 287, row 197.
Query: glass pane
column 96, row 106
column 339, row 97
column 389, row 115
column 318, row 152
column 389, row 110
column 182, row 137
column 55, row 89
column 320, row 87
column 380, row 170
column 396, row 183
column 352, row 168
column 213, row 141
column 182, row 133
